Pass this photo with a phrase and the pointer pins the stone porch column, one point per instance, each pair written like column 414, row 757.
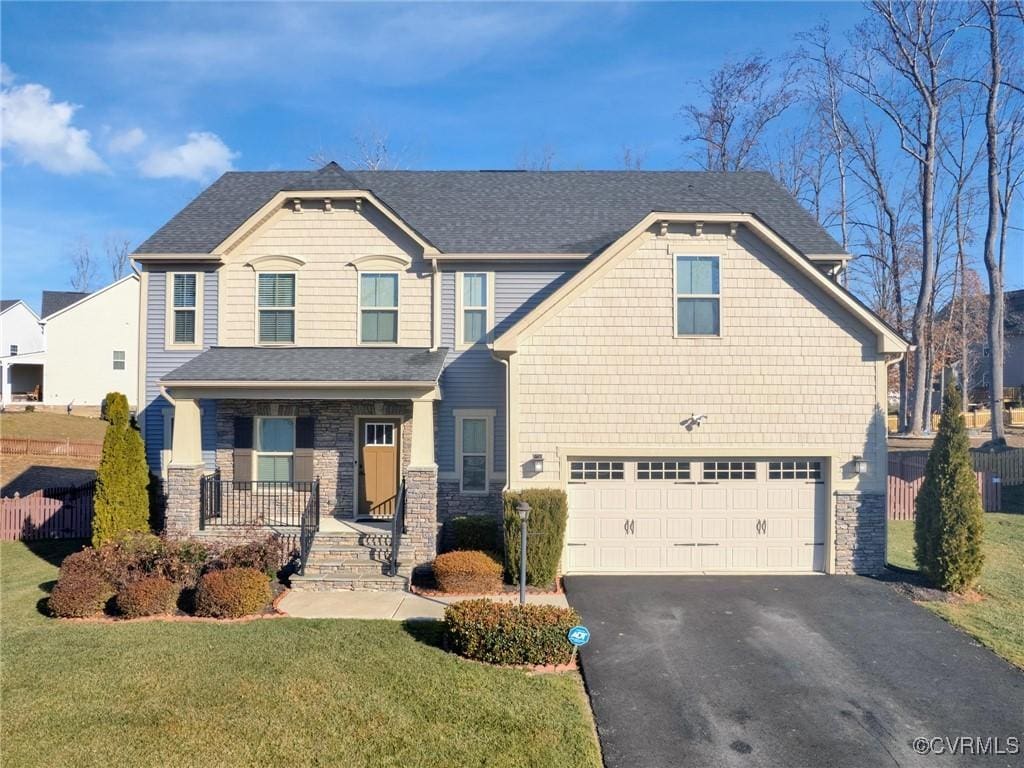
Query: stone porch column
column 421, row 483
column 181, row 517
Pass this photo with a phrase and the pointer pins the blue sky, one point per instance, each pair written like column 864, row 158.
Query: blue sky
column 165, row 97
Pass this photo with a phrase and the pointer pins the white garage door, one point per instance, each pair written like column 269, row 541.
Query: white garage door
column 650, row 515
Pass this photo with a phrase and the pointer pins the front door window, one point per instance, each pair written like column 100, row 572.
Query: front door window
column 378, row 469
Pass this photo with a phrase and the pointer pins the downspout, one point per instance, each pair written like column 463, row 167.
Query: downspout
column 508, row 420
column 435, row 319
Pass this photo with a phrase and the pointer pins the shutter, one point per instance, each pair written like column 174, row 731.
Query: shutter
column 243, row 469
column 303, row 468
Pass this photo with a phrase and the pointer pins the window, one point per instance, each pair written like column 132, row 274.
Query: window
column 118, row 359
column 730, row 470
column 697, row 296
column 379, row 433
column 794, row 470
column 378, row 308
column 275, row 448
column 474, row 308
column 596, row 470
column 276, row 297
column 474, row 430
column 14, row 349
column 663, row 470
column 184, row 297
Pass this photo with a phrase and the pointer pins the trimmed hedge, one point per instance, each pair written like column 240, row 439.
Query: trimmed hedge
column 506, row 633
column 475, row 533
column 80, row 593
column 232, row 592
column 467, row 572
column 149, row 596
column 545, row 534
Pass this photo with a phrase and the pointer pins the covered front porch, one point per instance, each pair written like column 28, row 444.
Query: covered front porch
column 305, row 457
column 22, row 377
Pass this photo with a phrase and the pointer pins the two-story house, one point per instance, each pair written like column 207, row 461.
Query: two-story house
column 386, row 350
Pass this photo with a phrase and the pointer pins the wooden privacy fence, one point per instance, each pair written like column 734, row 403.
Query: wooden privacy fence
column 52, row 513
column 1008, row 466
column 20, row 446
column 906, row 475
column 980, row 419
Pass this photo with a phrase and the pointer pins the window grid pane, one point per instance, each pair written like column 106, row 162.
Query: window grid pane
column 379, row 325
column 697, row 317
column 184, row 290
column 474, row 473
column 474, row 322
column 474, row 436
column 382, row 433
column 277, row 290
column 663, row 470
column 274, row 468
column 184, row 326
column 730, row 470
column 277, row 325
column 378, row 290
column 474, row 290
column 596, row 470
column 794, row 470
column 697, row 275
column 118, row 360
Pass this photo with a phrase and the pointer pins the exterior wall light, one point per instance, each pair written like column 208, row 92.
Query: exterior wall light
column 860, row 465
column 538, row 463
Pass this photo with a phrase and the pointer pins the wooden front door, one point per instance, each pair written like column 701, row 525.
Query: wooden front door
column 378, row 467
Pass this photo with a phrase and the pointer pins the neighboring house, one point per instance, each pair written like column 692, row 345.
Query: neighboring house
column 20, row 335
column 1013, row 352
column 89, row 346
column 670, row 348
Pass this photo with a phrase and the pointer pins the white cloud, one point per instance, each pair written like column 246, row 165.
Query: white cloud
column 127, row 141
column 200, row 158
column 37, row 129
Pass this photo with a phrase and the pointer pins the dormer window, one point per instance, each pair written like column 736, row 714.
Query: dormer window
column 698, row 302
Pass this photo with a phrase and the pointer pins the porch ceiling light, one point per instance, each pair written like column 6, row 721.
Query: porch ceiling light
column 538, row 463
column 860, row 465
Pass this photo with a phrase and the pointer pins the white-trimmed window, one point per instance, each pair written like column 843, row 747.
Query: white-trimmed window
column 185, row 308
column 475, row 310
column 275, row 448
column 663, row 470
column 794, row 469
column 118, row 359
column 730, row 470
column 474, row 439
column 597, row 470
column 14, row 349
column 698, row 301
column 379, row 433
column 276, row 307
column 378, row 307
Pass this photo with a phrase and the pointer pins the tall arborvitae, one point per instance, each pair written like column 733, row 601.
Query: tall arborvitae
column 121, row 502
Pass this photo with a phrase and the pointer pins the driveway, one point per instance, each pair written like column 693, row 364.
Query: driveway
column 795, row 671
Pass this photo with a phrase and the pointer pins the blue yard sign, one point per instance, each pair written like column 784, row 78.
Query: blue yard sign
column 579, row 635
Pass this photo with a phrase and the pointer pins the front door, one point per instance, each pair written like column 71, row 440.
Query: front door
column 378, row 467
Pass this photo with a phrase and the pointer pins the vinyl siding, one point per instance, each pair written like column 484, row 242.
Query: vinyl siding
column 471, row 377
column 161, row 361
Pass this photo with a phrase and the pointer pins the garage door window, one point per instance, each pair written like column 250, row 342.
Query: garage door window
column 730, row 470
column 794, row 470
column 663, row 470
column 596, row 470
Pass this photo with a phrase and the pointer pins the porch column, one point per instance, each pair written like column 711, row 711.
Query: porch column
column 6, row 394
column 181, row 517
column 421, row 483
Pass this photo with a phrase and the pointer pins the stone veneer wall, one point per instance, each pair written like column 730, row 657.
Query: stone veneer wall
column 860, row 533
column 451, row 502
column 421, row 524
column 333, row 439
column 181, row 508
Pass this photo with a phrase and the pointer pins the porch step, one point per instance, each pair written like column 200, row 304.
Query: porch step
column 357, row 560
column 342, row 582
column 354, row 553
column 356, row 569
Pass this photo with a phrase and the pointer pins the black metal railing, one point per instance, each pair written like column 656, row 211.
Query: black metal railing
column 259, row 502
column 308, row 526
column 397, row 528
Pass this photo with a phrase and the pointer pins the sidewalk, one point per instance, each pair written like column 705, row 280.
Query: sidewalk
column 398, row 606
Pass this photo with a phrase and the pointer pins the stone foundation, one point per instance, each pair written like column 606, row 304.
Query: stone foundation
column 451, row 502
column 181, row 506
column 860, row 533
column 421, row 513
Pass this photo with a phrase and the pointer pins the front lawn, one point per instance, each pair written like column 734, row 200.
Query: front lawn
column 997, row 618
column 264, row 693
column 44, row 425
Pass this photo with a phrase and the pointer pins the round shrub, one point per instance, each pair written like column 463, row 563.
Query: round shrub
column 148, row 596
column 232, row 592
column 467, row 572
column 265, row 556
column 83, row 561
column 181, row 562
column 507, row 633
column 80, row 593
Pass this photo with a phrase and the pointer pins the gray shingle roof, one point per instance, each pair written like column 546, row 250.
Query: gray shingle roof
column 297, row 364
column 505, row 211
column 6, row 304
column 55, row 301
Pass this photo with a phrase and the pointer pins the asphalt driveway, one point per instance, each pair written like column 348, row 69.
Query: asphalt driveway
column 799, row 671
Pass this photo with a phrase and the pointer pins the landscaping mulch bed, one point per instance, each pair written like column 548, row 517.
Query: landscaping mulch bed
column 914, row 585
column 423, row 584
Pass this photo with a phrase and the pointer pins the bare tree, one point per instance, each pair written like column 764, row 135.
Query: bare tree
column 911, row 40
column 741, row 99
column 373, row 150
column 538, row 159
column 633, row 158
column 118, row 255
column 83, row 265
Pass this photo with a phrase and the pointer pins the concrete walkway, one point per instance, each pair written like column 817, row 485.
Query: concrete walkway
column 399, row 606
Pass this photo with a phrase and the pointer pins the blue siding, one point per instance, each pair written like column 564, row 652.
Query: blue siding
column 472, row 378
column 160, row 361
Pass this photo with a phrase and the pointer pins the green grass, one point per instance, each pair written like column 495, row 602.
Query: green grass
column 52, row 426
column 264, row 693
column 997, row 619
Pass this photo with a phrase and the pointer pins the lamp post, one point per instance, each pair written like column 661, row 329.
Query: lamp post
column 524, row 515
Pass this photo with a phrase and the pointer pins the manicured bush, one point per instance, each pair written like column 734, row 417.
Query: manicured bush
column 80, row 593
column 148, row 596
column 949, row 520
column 476, row 532
column 181, row 561
column 507, row 633
column 232, row 592
column 544, row 535
column 266, row 556
column 121, row 501
column 83, row 561
column 467, row 572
